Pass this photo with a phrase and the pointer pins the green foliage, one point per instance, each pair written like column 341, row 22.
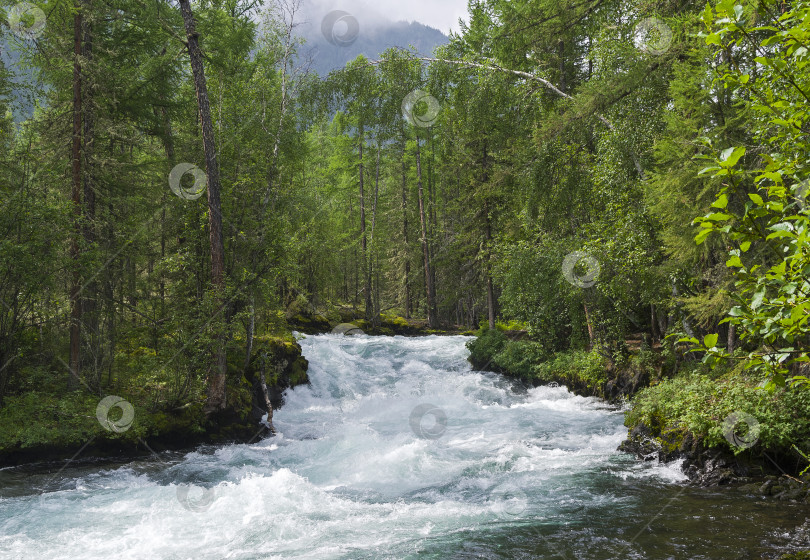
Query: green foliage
column 769, row 225
column 520, row 358
column 485, row 346
column 694, row 402
column 574, row 367
column 530, row 360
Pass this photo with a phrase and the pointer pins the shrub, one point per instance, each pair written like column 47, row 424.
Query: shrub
column 520, row 358
column 696, row 403
column 483, row 348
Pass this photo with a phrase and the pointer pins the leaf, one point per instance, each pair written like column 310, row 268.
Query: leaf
column 756, row 301
column 719, row 217
column 731, row 156
column 702, row 235
column 721, row 202
column 756, row 198
column 780, row 233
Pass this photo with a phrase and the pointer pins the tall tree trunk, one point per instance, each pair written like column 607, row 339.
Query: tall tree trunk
column 406, row 282
column 487, row 272
column 168, row 146
column 432, row 215
column 218, row 368
column 250, row 330
column 429, row 288
column 487, row 249
column 591, row 334
column 375, row 314
column 89, row 295
column 363, row 237
column 76, row 157
column 732, row 338
column 654, row 333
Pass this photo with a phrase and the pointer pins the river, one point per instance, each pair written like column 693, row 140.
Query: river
column 397, row 450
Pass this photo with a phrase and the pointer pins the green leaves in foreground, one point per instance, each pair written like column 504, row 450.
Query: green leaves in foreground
column 761, row 207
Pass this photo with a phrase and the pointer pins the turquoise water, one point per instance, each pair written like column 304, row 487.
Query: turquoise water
column 396, row 450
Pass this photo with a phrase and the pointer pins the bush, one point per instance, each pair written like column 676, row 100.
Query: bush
column 574, row 367
column 520, row 358
column 698, row 404
column 484, row 348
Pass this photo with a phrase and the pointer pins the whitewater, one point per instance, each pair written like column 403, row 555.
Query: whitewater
column 397, row 449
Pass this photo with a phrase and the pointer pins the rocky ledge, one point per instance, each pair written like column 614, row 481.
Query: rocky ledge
column 757, row 473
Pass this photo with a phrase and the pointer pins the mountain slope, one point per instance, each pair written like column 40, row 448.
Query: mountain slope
column 372, row 40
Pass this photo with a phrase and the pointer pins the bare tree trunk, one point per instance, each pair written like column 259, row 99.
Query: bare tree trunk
column 431, row 301
column 432, row 217
column 375, row 313
column 168, row 145
column 90, row 293
column 487, row 241
column 268, row 405
column 250, row 331
column 363, row 237
column 76, row 156
column 591, row 335
column 218, row 368
column 732, row 338
column 405, row 236
column 490, row 287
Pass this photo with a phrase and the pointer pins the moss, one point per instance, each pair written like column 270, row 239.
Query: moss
column 804, row 555
column 400, row 322
column 284, row 367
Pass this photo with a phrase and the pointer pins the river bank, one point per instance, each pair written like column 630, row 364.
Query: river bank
column 51, row 423
column 56, row 425
column 677, row 409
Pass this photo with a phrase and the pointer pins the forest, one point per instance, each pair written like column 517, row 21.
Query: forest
column 598, row 184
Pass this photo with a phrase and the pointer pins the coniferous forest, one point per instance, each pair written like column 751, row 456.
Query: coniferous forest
column 607, row 194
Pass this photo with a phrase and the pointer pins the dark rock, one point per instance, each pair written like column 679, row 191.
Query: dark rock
column 283, row 366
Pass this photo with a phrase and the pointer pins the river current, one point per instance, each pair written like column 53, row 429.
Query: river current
column 397, row 450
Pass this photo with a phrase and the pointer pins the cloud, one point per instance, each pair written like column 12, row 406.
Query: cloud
column 440, row 14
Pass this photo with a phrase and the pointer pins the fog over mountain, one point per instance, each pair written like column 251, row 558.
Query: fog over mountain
column 337, row 32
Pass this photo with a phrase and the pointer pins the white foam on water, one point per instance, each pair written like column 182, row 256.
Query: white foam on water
column 347, row 476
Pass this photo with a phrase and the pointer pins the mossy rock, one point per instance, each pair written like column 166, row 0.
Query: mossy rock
column 309, row 324
column 284, row 368
column 348, row 329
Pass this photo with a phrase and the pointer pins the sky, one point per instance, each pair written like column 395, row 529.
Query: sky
column 440, row 14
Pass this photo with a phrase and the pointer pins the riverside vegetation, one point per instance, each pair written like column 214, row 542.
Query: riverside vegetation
column 185, row 193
